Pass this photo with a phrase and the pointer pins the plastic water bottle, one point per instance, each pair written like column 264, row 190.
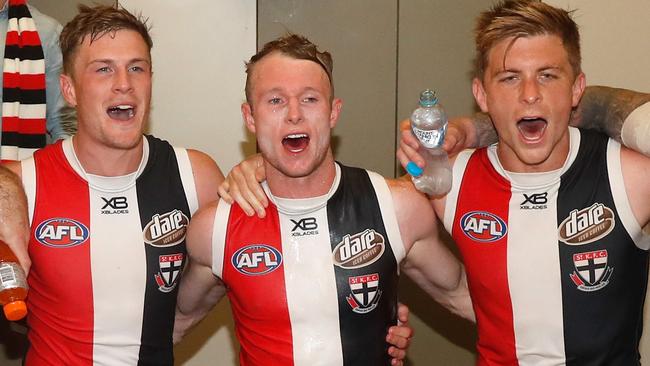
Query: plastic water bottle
column 429, row 125
column 13, row 285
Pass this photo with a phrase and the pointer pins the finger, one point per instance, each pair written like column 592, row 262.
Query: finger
column 403, row 314
column 397, row 354
column 223, row 192
column 411, row 154
column 239, row 198
column 407, row 138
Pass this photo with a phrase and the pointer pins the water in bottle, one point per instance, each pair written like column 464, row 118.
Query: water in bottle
column 13, row 285
column 429, row 125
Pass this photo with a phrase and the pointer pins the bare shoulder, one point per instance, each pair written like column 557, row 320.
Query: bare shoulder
column 636, row 175
column 11, row 167
column 199, row 234
column 207, row 176
column 415, row 215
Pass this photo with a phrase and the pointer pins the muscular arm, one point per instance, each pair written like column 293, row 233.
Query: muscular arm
column 428, row 261
column 207, row 176
column 200, row 290
column 605, row 109
column 14, row 225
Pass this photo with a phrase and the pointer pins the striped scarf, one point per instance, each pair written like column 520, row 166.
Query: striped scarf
column 23, row 86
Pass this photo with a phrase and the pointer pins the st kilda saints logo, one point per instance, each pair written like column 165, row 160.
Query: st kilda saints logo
column 359, row 250
column 591, row 270
column 167, row 229
column 364, row 293
column 170, row 269
column 256, row 259
column 587, row 225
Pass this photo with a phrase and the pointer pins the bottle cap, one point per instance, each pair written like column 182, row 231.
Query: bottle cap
column 428, row 98
column 15, row 310
column 413, row 169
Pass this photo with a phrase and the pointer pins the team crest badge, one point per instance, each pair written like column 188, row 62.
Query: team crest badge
column 591, row 270
column 170, row 269
column 364, row 293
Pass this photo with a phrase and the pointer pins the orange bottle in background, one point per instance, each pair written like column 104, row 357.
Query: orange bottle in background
column 13, row 284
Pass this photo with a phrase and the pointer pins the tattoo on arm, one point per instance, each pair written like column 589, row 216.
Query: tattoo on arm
column 486, row 134
column 605, row 109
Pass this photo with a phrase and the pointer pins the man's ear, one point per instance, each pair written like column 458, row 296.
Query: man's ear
column 67, row 89
column 578, row 89
column 247, row 113
column 479, row 94
column 337, row 104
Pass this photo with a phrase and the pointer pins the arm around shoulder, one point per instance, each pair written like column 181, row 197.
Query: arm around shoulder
column 429, row 262
column 636, row 175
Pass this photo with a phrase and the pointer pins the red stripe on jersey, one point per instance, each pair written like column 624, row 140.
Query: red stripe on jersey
column 253, row 270
column 60, row 298
column 478, row 230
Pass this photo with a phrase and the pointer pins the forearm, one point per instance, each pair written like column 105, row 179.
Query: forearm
column 196, row 297
column 13, row 207
column 606, row 109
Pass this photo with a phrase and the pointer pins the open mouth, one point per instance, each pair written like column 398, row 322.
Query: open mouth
column 296, row 142
column 532, row 128
column 122, row 112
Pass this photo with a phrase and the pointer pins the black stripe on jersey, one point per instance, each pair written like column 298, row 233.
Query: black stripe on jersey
column 160, row 190
column 603, row 318
column 352, row 209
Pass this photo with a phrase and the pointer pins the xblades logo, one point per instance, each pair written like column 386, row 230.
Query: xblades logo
column 306, row 226
column 535, row 201
column 115, row 205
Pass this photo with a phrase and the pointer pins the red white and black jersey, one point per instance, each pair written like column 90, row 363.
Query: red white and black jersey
column 107, row 253
column 556, row 262
column 315, row 282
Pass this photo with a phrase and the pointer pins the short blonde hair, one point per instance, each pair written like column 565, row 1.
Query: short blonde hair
column 525, row 18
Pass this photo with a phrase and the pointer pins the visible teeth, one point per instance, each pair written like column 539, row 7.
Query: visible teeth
column 296, row 136
column 123, row 106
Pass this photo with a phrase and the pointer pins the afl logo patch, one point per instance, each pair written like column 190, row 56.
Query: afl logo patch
column 61, row 233
column 167, row 229
column 256, row 259
column 482, row 226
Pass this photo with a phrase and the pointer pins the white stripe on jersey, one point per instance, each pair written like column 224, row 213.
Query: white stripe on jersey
column 313, row 294
column 185, row 171
column 536, row 289
column 117, row 261
column 28, row 175
column 617, row 185
column 220, row 226
column 452, row 197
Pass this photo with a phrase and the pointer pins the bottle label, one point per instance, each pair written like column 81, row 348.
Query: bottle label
column 11, row 276
column 429, row 138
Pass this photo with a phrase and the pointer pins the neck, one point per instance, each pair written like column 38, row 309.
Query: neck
column 510, row 160
column 107, row 161
column 315, row 184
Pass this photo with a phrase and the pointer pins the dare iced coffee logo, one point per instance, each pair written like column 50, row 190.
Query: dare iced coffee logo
column 359, row 250
column 587, row 225
column 167, row 229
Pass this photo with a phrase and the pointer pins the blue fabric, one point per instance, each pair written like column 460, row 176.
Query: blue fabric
column 48, row 30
